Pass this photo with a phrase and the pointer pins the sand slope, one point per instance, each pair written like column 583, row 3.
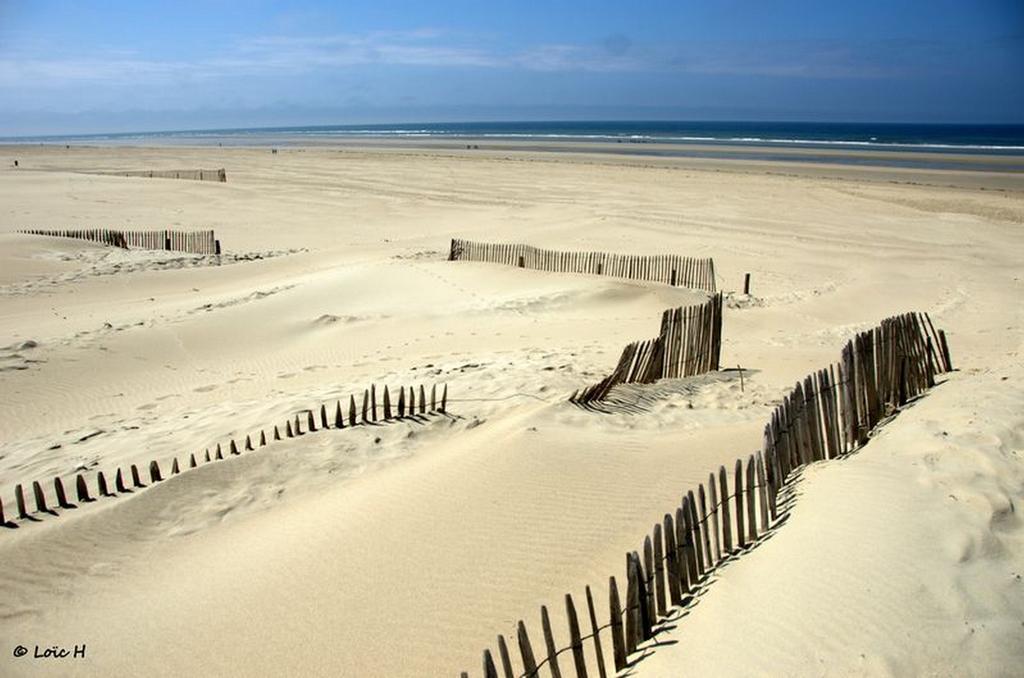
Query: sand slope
column 403, row 550
column 906, row 558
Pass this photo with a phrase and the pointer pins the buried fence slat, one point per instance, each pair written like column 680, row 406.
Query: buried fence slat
column 751, row 509
column 82, row 488
column 136, row 480
column 709, row 558
column 741, row 538
column 632, row 605
column 351, row 410
column 685, row 560
column 339, row 418
column 490, row 671
column 671, row 560
column 762, row 479
column 310, row 421
column 175, row 469
column 650, row 603
column 659, row 571
column 373, row 401
column 713, row 499
column 248, row 442
column 119, row 482
column 595, row 634
column 387, row 403
column 62, row 498
column 154, row 472
column 549, row 642
column 366, row 400
column 192, row 457
column 526, row 651
column 695, row 532
column 618, row 640
column 323, row 416
column 40, row 497
column 506, row 661
column 575, row 640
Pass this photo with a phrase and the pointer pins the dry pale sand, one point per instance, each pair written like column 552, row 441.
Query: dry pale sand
column 403, row 550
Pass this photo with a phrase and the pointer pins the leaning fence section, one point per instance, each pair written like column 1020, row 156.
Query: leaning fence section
column 689, row 343
column 670, row 269
column 193, row 242
column 830, row 413
column 403, row 403
column 220, row 175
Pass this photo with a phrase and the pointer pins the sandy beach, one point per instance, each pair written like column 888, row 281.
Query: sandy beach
column 403, row 550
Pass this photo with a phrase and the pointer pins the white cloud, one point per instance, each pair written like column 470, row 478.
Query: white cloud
column 289, row 55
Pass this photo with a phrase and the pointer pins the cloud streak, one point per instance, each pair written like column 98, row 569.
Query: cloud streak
column 287, row 55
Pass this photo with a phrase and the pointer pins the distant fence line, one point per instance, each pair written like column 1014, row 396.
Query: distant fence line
column 670, row 269
column 193, row 242
column 407, row 405
column 689, row 343
column 194, row 174
column 831, row 413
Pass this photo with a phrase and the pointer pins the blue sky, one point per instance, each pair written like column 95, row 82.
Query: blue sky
column 126, row 66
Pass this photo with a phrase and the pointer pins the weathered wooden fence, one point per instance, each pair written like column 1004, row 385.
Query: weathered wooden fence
column 194, row 242
column 194, row 174
column 670, row 269
column 689, row 343
column 829, row 413
column 395, row 405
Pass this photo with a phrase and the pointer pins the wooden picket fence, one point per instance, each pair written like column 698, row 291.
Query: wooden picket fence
column 689, row 343
column 670, row 269
column 194, row 174
column 407, row 405
column 828, row 414
column 193, row 242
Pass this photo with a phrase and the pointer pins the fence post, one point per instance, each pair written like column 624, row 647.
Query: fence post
column 659, row 572
column 740, row 533
column 618, row 641
column 596, row 634
column 549, row 642
column 529, row 663
column 506, row 661
column 575, row 639
column 62, row 498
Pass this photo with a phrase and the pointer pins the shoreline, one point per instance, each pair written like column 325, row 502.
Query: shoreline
column 943, row 170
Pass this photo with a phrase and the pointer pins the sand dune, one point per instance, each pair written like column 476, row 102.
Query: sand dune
column 402, row 550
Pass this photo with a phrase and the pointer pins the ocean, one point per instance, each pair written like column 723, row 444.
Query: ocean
column 869, row 143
